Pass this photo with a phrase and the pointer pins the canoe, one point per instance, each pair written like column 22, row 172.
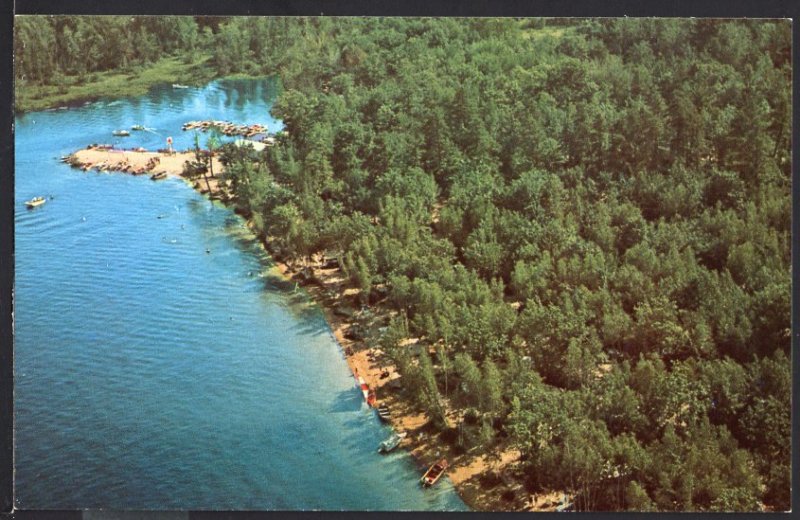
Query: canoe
column 434, row 473
column 364, row 388
column 391, row 443
column 369, row 395
column 36, row 201
column 383, row 412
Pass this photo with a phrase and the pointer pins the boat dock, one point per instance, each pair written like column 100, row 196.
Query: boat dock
column 227, row 128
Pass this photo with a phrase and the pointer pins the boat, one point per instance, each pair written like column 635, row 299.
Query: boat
column 158, row 176
column 364, row 388
column 36, row 201
column 565, row 505
column 369, row 395
column 121, row 133
column 137, row 127
column 384, row 413
column 391, row 443
column 434, row 473
column 178, row 85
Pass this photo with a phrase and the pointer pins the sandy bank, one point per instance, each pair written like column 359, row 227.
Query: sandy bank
column 143, row 162
column 135, row 160
column 484, row 482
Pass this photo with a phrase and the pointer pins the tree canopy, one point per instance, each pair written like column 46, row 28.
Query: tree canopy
column 590, row 219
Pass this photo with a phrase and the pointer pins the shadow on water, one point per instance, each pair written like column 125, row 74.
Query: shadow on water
column 308, row 316
column 163, row 94
column 348, row 401
column 240, row 92
column 275, row 282
column 310, row 322
column 175, row 406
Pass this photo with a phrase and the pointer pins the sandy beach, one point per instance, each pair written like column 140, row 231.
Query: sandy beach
column 484, row 482
column 141, row 162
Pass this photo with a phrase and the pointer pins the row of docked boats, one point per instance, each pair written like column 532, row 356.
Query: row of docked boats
column 227, row 128
column 434, row 472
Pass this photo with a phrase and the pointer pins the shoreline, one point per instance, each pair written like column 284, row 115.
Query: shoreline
column 118, row 84
column 484, row 482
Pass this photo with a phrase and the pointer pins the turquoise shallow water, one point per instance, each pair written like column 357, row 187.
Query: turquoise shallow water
column 150, row 374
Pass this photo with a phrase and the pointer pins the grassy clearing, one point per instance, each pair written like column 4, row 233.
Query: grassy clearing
column 134, row 81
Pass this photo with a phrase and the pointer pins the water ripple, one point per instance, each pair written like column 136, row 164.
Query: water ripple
column 151, row 374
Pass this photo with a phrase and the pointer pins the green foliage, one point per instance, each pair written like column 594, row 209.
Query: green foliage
column 636, row 498
column 607, row 200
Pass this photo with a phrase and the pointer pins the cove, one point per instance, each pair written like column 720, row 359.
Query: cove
column 151, row 374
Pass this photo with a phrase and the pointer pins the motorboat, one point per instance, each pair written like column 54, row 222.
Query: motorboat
column 391, row 443
column 434, row 473
column 36, row 201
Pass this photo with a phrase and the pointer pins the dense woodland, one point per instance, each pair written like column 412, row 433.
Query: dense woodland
column 587, row 221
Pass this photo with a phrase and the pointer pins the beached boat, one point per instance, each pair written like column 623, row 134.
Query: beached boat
column 121, row 133
column 434, row 473
column 158, row 176
column 391, row 443
column 364, row 387
column 369, row 395
column 565, row 505
column 178, row 85
column 383, row 412
column 36, row 201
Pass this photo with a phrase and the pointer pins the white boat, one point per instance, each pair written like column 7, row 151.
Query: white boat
column 178, row 85
column 391, row 443
column 36, row 201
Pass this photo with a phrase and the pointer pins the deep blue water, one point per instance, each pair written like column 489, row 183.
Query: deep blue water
column 150, row 374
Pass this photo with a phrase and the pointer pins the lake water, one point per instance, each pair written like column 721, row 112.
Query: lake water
column 150, row 374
